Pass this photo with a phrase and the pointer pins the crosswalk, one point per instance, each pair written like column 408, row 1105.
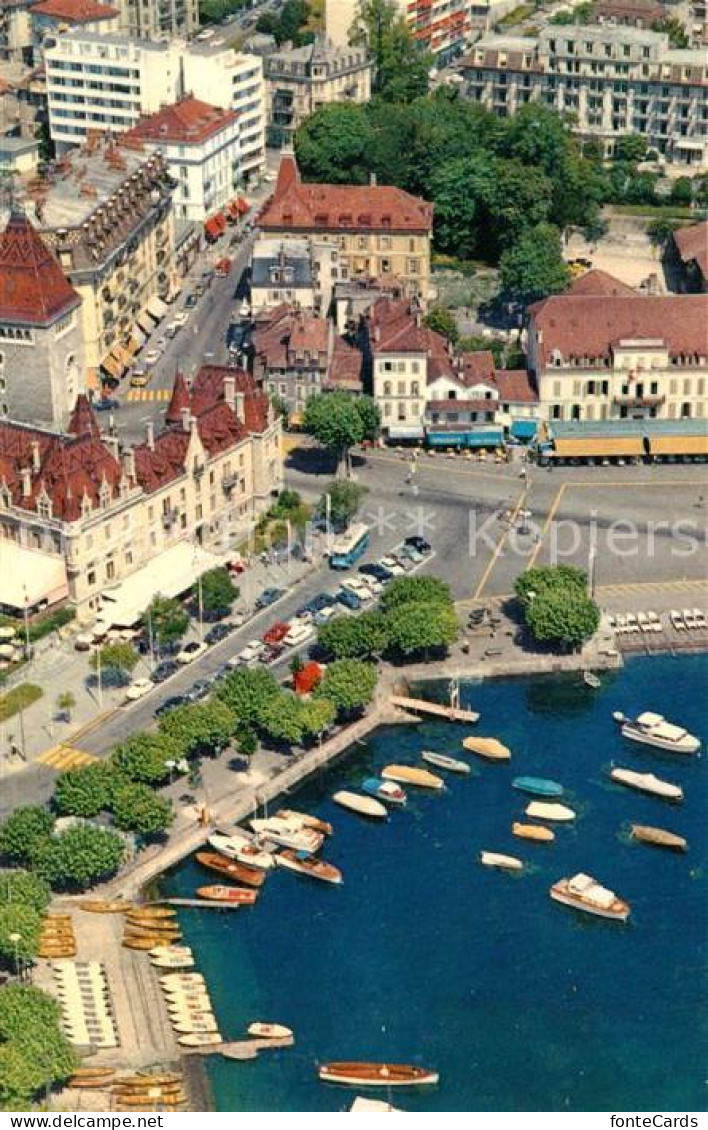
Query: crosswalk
column 62, row 757
column 134, row 395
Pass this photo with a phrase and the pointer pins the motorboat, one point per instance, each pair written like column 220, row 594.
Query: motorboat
column 304, row 864
column 658, row 836
column 442, row 761
column 372, row 1106
column 584, row 893
column 285, row 834
column 537, row 786
column 653, row 729
column 194, row 1002
column 306, row 821
column 533, row 832
column 539, row 810
column 363, row 805
column 182, row 979
column 193, row 1025
column 591, row 680
column 240, row 847
column 387, row 791
column 491, row 748
column 646, row 783
column 203, row 1040
column 269, row 1031
column 218, row 893
column 412, row 775
column 240, row 872
column 377, row 1075
column 171, row 951
column 506, row 862
column 173, row 961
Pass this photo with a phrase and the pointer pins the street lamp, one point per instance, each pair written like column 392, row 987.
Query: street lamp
column 16, row 939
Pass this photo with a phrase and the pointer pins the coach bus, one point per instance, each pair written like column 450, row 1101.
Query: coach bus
column 349, row 547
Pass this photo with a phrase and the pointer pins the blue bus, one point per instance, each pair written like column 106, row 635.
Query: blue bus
column 349, row 547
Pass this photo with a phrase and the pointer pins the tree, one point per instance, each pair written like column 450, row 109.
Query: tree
column 421, row 628
column 137, row 809
column 400, row 63
column 66, row 703
column 349, row 684
column 548, row 578
column 631, row 148
column 19, row 918
column 80, row 856
column 34, row 1052
column 247, row 693
column 344, row 498
column 534, row 266
column 246, row 739
column 339, row 421
column 317, row 715
column 280, row 407
column 296, row 665
column 200, row 729
column 143, row 757
column 442, row 321
column 218, row 591
column 565, row 616
column 26, row 888
column 678, row 36
column 334, row 145
column 370, row 416
column 282, row 718
column 682, row 192
column 115, row 656
column 661, row 231
column 459, row 189
column 25, row 832
column 415, row 590
column 165, row 621
column 85, row 791
column 354, row 637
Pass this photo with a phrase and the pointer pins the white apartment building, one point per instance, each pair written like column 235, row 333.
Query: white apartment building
column 444, row 27
column 612, row 83
column 217, row 74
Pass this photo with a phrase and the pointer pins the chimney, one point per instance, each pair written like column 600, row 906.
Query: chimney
column 240, row 407
column 26, row 473
column 230, row 392
column 418, row 319
column 193, row 425
column 112, row 443
column 186, row 414
column 150, row 435
column 372, row 180
column 377, row 333
column 128, row 461
column 35, row 455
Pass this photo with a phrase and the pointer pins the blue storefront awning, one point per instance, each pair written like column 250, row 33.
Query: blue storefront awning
column 489, row 437
column 524, row 429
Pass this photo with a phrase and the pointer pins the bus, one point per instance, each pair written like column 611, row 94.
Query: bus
column 349, row 547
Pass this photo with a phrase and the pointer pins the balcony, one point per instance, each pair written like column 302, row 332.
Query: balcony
column 169, row 517
column 649, row 401
column 229, row 482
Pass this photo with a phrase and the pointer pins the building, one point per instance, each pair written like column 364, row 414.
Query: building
column 611, row 84
column 443, row 27
column 18, row 155
column 294, row 271
column 158, row 19
column 628, row 13
column 41, row 344
column 106, row 214
column 50, row 18
column 378, row 230
column 598, row 357
column 16, row 31
column 123, row 523
column 690, row 252
column 300, row 80
column 200, row 144
column 626, row 440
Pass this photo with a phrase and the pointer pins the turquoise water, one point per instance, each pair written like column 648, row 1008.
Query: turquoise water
column 424, row 956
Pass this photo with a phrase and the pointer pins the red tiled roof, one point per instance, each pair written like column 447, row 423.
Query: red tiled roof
column 332, row 207
column 178, row 401
column 288, row 338
column 600, row 283
column 345, row 366
column 33, row 288
column 692, row 244
column 453, row 405
column 478, row 366
column 516, row 385
column 189, row 122
column 83, row 420
column 589, row 326
column 74, row 11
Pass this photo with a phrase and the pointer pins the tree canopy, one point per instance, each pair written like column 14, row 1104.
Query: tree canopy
column 136, row 808
column 218, row 591
column 85, row 791
column 165, row 620
column 339, row 421
column 79, row 857
column 354, row 637
column 247, row 692
column 344, row 499
column 556, row 605
column 408, row 590
column 534, row 267
column 200, row 729
column 142, row 757
column 349, row 684
column 420, row 627
column 115, row 656
column 401, row 64
column 24, row 887
column 34, row 1052
column 24, row 832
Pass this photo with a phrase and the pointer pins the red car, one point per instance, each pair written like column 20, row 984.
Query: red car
column 223, row 267
column 276, row 633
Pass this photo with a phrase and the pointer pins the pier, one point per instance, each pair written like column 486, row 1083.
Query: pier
column 241, row 1049
column 434, row 709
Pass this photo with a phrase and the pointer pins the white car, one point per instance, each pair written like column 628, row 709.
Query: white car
column 393, row 565
column 181, row 319
column 137, row 689
column 191, row 651
column 375, row 587
column 251, row 652
column 358, row 586
column 151, row 357
column 299, row 633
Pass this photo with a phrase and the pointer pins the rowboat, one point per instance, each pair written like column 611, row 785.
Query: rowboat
column 364, row 805
column 161, row 1079
column 55, row 916
column 377, row 1075
column 372, row 1106
column 157, row 925
column 167, row 980
column 490, row 748
column 91, row 1076
column 241, row 872
column 143, row 1079
column 305, row 865
column 152, row 912
column 174, row 961
column 156, row 936
column 443, row 762
column 647, row 783
column 591, row 680
column 537, row 786
column 583, row 893
column 306, row 820
column 495, row 859
column 203, row 1040
column 289, row 835
column 131, row 942
column 269, row 1031
column 171, row 951
column 192, row 1025
column 540, row 811
column 659, row 837
column 387, row 791
column 653, row 729
column 217, row 893
column 241, row 848
column 411, row 775
column 533, row 832
column 102, row 906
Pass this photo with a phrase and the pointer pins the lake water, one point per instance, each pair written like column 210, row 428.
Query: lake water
column 424, row 956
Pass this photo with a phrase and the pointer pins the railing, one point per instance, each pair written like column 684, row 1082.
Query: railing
column 651, row 401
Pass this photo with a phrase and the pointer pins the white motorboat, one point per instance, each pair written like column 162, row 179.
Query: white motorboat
column 653, row 729
column 540, row 810
column 442, row 761
column 583, row 893
column 647, row 783
column 288, row 834
column 372, row 1106
column 364, row 805
column 496, row 859
column 242, row 848
column 269, row 1031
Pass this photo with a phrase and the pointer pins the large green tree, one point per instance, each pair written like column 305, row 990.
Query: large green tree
column 344, row 498
column 85, row 791
column 34, row 1052
column 248, row 692
column 534, row 266
column 401, row 64
column 164, row 621
column 334, row 145
column 566, row 617
column 24, row 887
column 80, row 856
column 218, row 591
column 416, row 590
column 316, row 716
column 201, row 729
column 548, row 578
column 339, row 421
column 25, row 832
column 136, row 808
column 115, row 656
column 19, row 918
column 354, row 637
column 421, row 628
column 142, row 757
column 282, row 719
column 349, row 684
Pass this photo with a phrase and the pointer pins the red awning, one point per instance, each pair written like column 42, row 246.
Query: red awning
column 221, row 221
column 212, row 227
column 243, row 205
column 233, row 209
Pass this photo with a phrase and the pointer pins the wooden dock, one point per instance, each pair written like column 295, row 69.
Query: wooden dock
column 434, row 709
column 195, row 904
column 241, row 1049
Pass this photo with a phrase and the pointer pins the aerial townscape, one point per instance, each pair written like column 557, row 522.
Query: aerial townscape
column 353, row 570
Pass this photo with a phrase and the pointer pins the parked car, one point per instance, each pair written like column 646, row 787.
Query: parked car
column 139, row 688
column 199, row 690
column 218, row 633
column 393, row 565
column 164, row 670
column 276, row 633
column 139, row 379
column 181, row 318
column 152, row 356
column 191, row 651
column 106, row 404
column 172, row 329
column 268, row 597
column 236, row 336
column 349, row 599
column 273, row 651
column 319, row 602
column 412, row 554
column 171, row 703
column 380, row 572
column 325, row 614
column 223, row 267
column 249, row 654
column 419, row 543
column 298, row 634
column 190, row 301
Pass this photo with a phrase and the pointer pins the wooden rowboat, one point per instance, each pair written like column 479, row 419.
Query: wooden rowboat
column 92, row 1072
column 152, row 912
column 364, row 805
column 490, row 748
column 412, row 775
column 192, row 1025
column 314, row 868
column 161, row 1079
column 240, row 872
column 442, row 761
column 533, row 832
column 159, row 925
column 139, row 943
column 377, row 1075
column 659, row 837
column 101, row 906
column 218, row 893
column 539, row 810
column 496, row 859
column 143, row 929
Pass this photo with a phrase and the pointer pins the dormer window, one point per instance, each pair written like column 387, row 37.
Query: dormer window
column 44, row 507
column 104, row 495
column 86, row 507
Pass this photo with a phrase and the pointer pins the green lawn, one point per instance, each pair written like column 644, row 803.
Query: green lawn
column 657, row 211
column 19, row 698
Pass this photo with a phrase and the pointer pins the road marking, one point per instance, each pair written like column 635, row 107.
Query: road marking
column 144, row 394
column 500, row 544
column 62, row 757
column 657, row 586
column 547, row 524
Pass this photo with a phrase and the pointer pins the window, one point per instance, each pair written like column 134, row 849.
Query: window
column 387, row 388
column 414, row 388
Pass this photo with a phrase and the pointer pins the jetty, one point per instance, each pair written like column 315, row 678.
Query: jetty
column 195, row 904
column 434, row 709
column 241, row 1049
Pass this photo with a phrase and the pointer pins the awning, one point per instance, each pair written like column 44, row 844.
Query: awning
column 493, row 437
column 212, row 228
column 30, row 578
column 490, row 437
column 524, row 429
column 124, row 355
column 679, row 445
column 406, row 433
column 145, row 322
column 592, row 447
column 156, row 308
column 243, row 205
column 232, row 209
column 169, row 573
column 113, row 366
